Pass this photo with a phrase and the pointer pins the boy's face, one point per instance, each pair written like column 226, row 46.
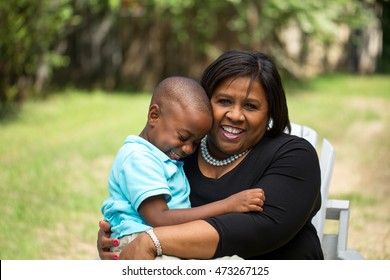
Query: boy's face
column 178, row 131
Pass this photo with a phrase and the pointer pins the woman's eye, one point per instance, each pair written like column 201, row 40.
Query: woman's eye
column 250, row 106
column 225, row 101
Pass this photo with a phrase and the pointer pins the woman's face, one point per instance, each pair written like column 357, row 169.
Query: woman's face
column 240, row 119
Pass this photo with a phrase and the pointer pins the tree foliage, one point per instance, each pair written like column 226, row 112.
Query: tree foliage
column 134, row 43
column 29, row 33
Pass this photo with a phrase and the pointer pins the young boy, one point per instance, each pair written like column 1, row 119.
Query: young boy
column 147, row 185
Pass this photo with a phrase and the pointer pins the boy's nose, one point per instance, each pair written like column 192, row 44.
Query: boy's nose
column 188, row 149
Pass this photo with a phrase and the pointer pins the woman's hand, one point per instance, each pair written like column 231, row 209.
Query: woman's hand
column 141, row 248
column 104, row 242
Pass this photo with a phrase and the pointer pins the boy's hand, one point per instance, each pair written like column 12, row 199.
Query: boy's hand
column 246, row 201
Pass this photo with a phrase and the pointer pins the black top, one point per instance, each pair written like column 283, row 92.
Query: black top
column 287, row 169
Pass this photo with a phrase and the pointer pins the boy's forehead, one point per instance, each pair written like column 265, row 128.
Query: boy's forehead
column 191, row 118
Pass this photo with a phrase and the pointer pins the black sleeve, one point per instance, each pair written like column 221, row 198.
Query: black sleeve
column 291, row 182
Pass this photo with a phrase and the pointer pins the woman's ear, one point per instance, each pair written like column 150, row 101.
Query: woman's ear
column 154, row 114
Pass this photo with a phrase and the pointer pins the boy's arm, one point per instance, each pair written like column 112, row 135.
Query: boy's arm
column 155, row 210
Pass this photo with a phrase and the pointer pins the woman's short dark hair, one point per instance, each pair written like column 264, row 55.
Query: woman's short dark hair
column 256, row 66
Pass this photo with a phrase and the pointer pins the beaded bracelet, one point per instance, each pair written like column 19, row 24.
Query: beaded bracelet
column 154, row 238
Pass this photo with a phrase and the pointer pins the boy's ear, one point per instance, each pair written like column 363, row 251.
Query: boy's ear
column 154, row 114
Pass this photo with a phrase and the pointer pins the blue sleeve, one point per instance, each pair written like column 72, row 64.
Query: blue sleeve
column 141, row 176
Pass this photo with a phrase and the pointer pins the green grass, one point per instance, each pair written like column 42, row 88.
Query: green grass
column 56, row 154
column 330, row 102
column 343, row 85
column 54, row 164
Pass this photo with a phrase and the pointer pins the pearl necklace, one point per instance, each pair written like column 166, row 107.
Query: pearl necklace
column 212, row 161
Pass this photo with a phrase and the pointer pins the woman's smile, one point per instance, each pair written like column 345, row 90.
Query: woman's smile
column 231, row 132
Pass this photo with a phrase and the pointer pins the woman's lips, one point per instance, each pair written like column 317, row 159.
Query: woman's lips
column 231, row 133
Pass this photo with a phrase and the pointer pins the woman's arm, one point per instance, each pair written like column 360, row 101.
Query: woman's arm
column 193, row 240
column 155, row 210
column 196, row 239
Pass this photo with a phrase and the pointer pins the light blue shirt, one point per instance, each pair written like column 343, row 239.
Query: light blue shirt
column 140, row 170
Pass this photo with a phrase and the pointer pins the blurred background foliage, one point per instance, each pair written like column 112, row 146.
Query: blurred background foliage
column 83, row 71
column 132, row 44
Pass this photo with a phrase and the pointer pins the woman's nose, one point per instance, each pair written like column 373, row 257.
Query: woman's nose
column 235, row 114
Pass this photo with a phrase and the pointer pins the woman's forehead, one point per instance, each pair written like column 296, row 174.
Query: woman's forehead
column 241, row 85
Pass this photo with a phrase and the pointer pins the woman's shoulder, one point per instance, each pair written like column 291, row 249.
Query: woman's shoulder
column 283, row 143
column 284, row 139
column 285, row 150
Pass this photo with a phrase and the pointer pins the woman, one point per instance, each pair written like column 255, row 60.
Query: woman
column 246, row 148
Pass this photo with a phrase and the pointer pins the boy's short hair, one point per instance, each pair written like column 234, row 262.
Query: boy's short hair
column 181, row 90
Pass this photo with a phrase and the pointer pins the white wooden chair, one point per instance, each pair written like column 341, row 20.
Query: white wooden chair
column 305, row 132
column 334, row 245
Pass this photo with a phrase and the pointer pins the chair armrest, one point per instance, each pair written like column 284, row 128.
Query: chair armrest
column 334, row 208
column 339, row 210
